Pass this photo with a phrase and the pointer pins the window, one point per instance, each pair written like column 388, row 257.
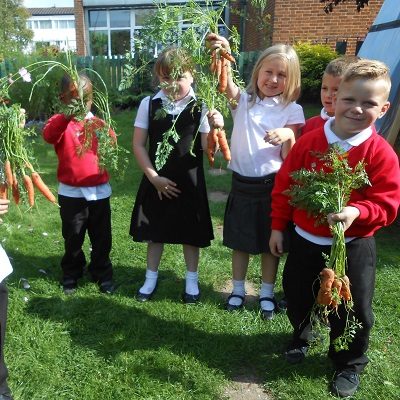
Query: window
column 120, row 19
column 45, row 24
column 98, row 19
column 98, row 43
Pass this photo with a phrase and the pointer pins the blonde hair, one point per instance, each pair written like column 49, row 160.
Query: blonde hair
column 337, row 67
column 286, row 53
column 173, row 61
column 369, row 70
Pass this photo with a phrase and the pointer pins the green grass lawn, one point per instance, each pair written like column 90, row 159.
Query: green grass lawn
column 89, row 346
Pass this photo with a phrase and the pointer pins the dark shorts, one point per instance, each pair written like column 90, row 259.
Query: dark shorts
column 247, row 221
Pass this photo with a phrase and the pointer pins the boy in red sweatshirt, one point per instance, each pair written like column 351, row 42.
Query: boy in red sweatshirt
column 360, row 100
column 84, row 191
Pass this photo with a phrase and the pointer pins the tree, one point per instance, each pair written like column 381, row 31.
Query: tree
column 330, row 4
column 14, row 34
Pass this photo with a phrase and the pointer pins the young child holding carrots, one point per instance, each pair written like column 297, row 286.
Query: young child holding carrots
column 84, row 191
column 266, row 119
column 361, row 99
column 171, row 204
column 5, row 270
column 330, row 82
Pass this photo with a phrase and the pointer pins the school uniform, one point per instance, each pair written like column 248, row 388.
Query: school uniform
column 184, row 219
column 378, row 205
column 84, row 197
column 5, row 270
column 315, row 122
column 254, row 165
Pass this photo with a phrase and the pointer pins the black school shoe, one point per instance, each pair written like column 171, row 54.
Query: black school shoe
column 69, row 285
column 107, row 287
column 296, row 352
column 267, row 314
column 190, row 298
column 233, row 307
column 345, row 383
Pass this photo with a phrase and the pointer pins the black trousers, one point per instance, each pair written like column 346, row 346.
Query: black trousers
column 3, row 318
column 300, row 284
column 79, row 216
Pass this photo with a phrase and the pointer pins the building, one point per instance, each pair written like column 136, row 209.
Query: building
column 292, row 21
column 52, row 23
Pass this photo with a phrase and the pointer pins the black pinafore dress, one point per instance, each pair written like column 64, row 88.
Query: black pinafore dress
column 184, row 219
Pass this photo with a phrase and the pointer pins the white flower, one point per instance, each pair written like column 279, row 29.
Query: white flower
column 25, row 75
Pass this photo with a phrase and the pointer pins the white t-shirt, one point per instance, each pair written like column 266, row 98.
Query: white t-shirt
column 5, row 265
column 172, row 107
column 251, row 155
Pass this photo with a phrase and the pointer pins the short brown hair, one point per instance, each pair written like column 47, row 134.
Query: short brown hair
column 173, row 61
column 337, row 67
column 369, row 70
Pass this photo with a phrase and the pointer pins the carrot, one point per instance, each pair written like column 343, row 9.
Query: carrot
column 223, row 144
column 15, row 190
column 324, row 297
column 327, row 277
column 43, row 188
column 8, row 173
column 218, row 70
column 212, row 140
column 223, row 77
column 213, row 65
column 228, row 56
column 29, row 189
column 345, row 290
column 3, row 190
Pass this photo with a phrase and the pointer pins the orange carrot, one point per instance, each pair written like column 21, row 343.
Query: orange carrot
column 3, row 190
column 213, row 65
column 43, row 188
column 212, row 140
column 29, row 189
column 223, row 78
column 223, row 144
column 224, row 53
column 324, row 297
column 8, row 173
column 15, row 190
column 218, row 69
column 327, row 277
column 345, row 290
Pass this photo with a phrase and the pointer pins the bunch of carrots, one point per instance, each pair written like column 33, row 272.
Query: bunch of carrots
column 216, row 139
column 17, row 175
column 333, row 290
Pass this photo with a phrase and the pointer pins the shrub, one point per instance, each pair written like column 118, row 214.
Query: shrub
column 313, row 60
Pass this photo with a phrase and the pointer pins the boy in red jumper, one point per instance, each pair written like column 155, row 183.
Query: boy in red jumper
column 330, row 83
column 360, row 100
column 83, row 194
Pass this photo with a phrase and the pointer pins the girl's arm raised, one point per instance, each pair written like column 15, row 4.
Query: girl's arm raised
column 219, row 43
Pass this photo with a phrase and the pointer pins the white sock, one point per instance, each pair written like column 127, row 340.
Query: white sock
column 267, row 290
column 150, row 282
column 192, row 283
column 239, row 289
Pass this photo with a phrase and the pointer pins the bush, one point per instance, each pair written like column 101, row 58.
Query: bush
column 313, row 60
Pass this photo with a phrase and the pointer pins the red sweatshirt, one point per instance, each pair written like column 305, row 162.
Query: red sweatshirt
column 378, row 203
column 312, row 123
column 67, row 137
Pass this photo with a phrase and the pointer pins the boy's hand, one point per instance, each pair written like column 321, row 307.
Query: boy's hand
column 215, row 119
column 276, row 243
column 165, row 187
column 346, row 216
column 278, row 136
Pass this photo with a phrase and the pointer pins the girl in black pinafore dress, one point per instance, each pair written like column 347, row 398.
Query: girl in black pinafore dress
column 171, row 204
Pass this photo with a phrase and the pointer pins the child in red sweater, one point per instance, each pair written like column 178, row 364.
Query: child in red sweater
column 84, row 191
column 360, row 100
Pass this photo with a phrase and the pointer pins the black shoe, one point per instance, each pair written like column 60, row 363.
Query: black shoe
column 345, row 383
column 190, row 298
column 69, row 285
column 296, row 355
column 233, row 307
column 107, row 287
column 282, row 305
column 267, row 314
column 6, row 396
column 143, row 297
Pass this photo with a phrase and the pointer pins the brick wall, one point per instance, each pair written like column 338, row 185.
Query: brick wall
column 305, row 20
column 79, row 28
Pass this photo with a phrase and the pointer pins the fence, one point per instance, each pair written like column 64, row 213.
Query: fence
column 111, row 69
